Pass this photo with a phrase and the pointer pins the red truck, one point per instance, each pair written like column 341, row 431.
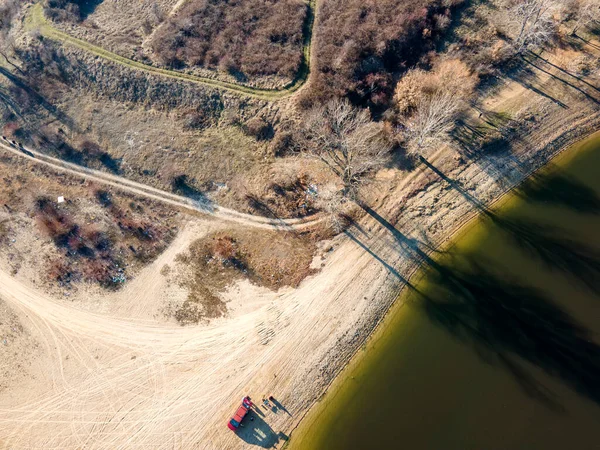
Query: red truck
column 235, row 422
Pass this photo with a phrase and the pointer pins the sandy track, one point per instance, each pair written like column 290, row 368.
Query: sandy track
column 122, row 383
column 124, row 184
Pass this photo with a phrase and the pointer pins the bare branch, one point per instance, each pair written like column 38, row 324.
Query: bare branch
column 530, row 24
column 346, row 140
column 585, row 13
column 431, row 101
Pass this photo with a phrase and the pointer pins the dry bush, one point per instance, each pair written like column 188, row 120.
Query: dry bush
column 259, row 128
column 11, row 129
column 285, row 197
column 63, row 10
column 360, row 43
column 449, row 75
column 282, row 144
column 94, row 255
column 582, row 13
column 430, row 102
column 583, row 65
column 477, row 41
column 269, row 259
column 254, row 37
column 225, row 249
column 194, row 119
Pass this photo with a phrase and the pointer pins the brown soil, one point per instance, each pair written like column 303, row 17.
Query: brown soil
column 96, row 236
column 213, row 263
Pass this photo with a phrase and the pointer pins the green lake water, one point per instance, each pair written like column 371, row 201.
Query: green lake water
column 497, row 345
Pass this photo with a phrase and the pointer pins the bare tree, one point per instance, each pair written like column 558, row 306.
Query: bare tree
column 585, row 13
column 430, row 102
column 432, row 121
column 530, row 23
column 347, row 141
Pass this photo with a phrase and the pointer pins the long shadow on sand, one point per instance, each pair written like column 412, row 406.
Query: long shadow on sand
column 255, row 431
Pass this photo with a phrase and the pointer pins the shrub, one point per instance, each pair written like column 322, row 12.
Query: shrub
column 368, row 42
column 259, row 128
column 282, row 143
column 196, row 120
column 93, row 255
column 63, row 10
column 255, row 37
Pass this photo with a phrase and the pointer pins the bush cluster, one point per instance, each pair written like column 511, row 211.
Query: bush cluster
column 242, row 37
column 96, row 255
column 64, row 10
column 361, row 44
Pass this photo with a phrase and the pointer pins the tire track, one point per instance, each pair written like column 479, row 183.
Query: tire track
column 124, row 184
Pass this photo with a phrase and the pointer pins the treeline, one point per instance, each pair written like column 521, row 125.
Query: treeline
column 242, row 37
column 361, row 44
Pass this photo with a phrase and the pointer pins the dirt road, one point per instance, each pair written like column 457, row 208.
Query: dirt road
column 204, row 207
column 37, row 21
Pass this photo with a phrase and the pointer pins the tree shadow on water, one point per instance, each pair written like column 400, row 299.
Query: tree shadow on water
column 561, row 190
column 547, row 243
column 514, row 324
column 506, row 323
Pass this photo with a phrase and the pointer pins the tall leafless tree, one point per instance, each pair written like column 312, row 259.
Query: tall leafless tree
column 530, row 23
column 432, row 121
column 430, row 102
column 347, row 141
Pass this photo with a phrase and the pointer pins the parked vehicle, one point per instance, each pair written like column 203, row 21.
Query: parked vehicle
column 235, row 422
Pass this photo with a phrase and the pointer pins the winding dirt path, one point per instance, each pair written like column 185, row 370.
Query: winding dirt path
column 108, row 382
column 124, row 184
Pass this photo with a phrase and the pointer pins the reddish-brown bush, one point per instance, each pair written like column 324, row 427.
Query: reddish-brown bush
column 359, row 43
column 11, row 129
column 93, row 255
column 252, row 37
